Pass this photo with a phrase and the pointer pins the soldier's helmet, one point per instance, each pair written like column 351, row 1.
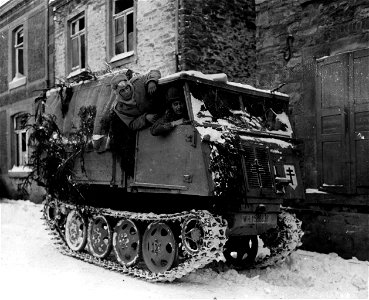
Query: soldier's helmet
column 173, row 94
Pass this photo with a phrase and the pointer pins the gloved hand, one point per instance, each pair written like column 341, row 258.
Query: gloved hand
column 152, row 118
column 151, row 87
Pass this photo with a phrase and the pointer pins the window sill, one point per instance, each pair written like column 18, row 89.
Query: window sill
column 17, row 82
column 75, row 73
column 122, row 56
column 19, row 172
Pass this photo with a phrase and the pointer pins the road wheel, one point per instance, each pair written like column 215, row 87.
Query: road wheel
column 50, row 212
column 99, row 237
column 126, row 242
column 159, row 248
column 76, row 231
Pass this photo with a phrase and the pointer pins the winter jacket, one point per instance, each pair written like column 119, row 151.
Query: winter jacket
column 133, row 114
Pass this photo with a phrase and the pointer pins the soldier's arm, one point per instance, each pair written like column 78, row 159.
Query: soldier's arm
column 153, row 75
column 139, row 123
column 161, row 127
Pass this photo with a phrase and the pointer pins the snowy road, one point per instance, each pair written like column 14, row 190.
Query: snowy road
column 31, row 268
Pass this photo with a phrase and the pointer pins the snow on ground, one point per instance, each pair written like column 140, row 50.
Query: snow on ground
column 30, row 268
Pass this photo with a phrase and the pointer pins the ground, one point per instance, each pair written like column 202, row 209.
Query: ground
column 30, row 267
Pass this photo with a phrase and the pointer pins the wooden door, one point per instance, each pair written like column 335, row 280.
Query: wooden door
column 359, row 119
column 343, row 122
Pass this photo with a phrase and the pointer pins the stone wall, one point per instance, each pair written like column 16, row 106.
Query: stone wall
column 36, row 46
column 155, row 36
column 3, row 61
column 218, row 36
column 332, row 223
column 319, row 28
column 3, row 146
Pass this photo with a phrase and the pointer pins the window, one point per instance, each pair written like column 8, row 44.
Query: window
column 123, row 27
column 77, row 43
column 21, row 140
column 18, row 53
column 17, row 58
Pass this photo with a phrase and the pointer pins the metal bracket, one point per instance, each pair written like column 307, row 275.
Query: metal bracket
column 187, row 178
column 191, row 138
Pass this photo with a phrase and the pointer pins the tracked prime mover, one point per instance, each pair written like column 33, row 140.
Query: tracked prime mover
column 203, row 192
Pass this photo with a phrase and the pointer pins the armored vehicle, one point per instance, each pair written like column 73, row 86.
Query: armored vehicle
column 204, row 191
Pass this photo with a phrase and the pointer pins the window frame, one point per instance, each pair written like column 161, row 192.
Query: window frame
column 21, row 158
column 17, row 47
column 76, row 35
column 17, row 78
column 127, row 56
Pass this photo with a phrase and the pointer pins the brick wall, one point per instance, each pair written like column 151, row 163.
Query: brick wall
column 155, row 35
column 219, row 36
column 319, row 28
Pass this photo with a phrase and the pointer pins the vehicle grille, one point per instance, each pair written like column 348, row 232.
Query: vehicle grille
column 257, row 167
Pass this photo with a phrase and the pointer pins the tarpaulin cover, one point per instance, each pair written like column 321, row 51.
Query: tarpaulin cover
column 94, row 93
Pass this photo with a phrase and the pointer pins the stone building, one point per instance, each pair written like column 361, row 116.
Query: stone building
column 24, row 73
column 170, row 35
column 320, row 50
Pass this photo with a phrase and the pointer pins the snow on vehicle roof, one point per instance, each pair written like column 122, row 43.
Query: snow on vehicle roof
column 220, row 77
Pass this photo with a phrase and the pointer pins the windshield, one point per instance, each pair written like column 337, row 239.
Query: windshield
column 214, row 107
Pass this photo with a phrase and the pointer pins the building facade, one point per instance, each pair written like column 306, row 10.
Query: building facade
column 320, row 51
column 24, row 65
column 169, row 35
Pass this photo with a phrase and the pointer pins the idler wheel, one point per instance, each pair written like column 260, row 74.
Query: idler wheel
column 126, row 242
column 159, row 247
column 76, row 231
column 99, row 237
column 192, row 235
column 241, row 251
column 50, row 212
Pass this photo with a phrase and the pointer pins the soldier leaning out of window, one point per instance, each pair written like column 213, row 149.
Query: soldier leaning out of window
column 175, row 115
column 131, row 103
column 131, row 110
column 134, row 103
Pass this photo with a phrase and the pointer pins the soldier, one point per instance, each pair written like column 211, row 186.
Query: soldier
column 133, row 102
column 130, row 110
column 175, row 115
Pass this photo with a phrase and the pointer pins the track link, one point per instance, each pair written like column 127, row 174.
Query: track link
column 282, row 240
column 212, row 246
